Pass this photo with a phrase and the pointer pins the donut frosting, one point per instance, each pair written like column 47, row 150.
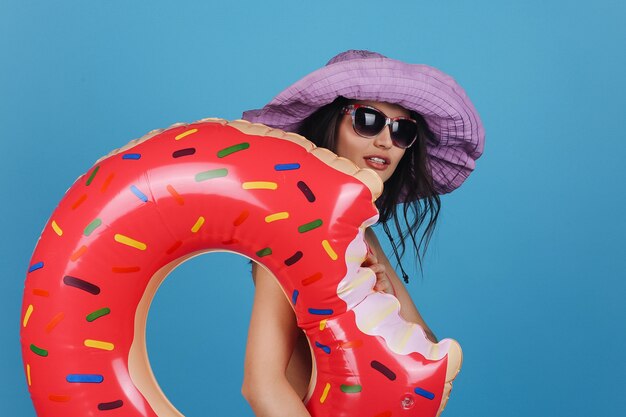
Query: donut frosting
column 213, row 185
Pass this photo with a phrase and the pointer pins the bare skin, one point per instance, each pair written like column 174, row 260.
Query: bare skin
column 277, row 367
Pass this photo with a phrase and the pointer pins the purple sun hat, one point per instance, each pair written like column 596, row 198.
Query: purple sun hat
column 365, row 75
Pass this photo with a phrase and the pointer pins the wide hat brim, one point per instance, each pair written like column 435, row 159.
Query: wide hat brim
column 435, row 95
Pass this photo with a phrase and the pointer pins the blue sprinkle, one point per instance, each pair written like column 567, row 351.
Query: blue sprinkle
column 35, row 267
column 325, row 348
column 89, row 378
column 424, row 393
column 294, row 296
column 138, row 193
column 321, row 311
column 286, row 167
column 131, row 156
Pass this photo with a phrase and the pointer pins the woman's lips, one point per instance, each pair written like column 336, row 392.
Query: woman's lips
column 376, row 162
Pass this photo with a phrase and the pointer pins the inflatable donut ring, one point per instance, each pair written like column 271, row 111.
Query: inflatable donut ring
column 298, row 210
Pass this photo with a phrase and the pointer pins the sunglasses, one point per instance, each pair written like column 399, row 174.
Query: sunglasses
column 368, row 122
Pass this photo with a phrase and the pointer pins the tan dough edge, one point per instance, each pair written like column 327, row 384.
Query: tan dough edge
column 366, row 176
column 455, row 359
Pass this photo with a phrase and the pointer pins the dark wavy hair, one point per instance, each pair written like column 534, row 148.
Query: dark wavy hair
column 421, row 202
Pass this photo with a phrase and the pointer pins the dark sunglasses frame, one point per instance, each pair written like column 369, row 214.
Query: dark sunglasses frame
column 392, row 122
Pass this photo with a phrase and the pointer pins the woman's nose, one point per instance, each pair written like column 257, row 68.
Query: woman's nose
column 383, row 139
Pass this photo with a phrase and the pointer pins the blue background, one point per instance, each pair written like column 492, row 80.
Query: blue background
column 527, row 268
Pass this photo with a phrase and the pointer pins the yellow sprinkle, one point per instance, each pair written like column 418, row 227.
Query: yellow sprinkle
column 125, row 240
column 378, row 318
column 323, row 324
column 276, row 216
column 259, row 185
column 362, row 277
column 28, row 374
column 325, row 393
column 56, row 228
column 186, row 133
column 29, row 311
column 198, row 224
column 98, row 344
column 329, row 250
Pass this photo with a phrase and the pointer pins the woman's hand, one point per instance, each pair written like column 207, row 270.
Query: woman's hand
column 383, row 282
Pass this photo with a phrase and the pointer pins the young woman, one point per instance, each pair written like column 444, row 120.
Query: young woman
column 416, row 128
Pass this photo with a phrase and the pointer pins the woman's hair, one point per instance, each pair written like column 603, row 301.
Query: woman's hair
column 411, row 175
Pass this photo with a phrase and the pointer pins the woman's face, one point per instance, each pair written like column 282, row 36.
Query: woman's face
column 377, row 153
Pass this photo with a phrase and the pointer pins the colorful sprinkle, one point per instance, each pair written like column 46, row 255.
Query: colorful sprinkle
column 183, row 152
column 286, row 167
column 131, row 156
column 106, row 182
column 98, row 344
column 323, row 324
column 351, row 344
column 84, row 378
column 325, row 348
column 350, row 389
column 321, row 311
column 384, row 414
column 59, row 398
column 310, row 226
column 53, row 323
column 242, row 218
column 78, row 253
column 198, row 224
column 329, row 250
column 80, row 201
column 179, row 199
column 95, row 223
column 259, row 185
column 29, row 311
column 97, row 314
column 232, row 149
column 293, row 258
column 56, row 228
column 325, row 392
column 41, row 293
column 35, row 266
column 294, row 297
column 139, row 194
column 81, row 284
column 28, row 375
column 276, row 216
column 313, row 278
column 383, row 370
column 125, row 269
column 125, row 240
column 93, row 175
column 230, row 242
column 186, row 133
column 306, row 191
column 426, row 394
column 264, row 252
column 175, row 246
column 214, row 173
column 111, row 405
column 38, row 351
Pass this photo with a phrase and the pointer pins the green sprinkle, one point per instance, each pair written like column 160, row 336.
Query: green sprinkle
column 214, row 173
column 350, row 388
column 98, row 313
column 232, row 149
column 92, row 226
column 38, row 351
column 264, row 252
column 310, row 226
column 93, row 174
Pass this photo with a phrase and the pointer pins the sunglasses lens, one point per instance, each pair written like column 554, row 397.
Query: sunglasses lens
column 368, row 122
column 403, row 133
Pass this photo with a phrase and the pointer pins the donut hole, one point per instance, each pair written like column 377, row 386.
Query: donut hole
column 196, row 334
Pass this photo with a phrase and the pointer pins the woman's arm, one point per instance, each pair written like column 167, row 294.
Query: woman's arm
column 394, row 286
column 271, row 339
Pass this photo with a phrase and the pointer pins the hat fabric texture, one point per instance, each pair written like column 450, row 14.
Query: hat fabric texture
column 365, row 75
